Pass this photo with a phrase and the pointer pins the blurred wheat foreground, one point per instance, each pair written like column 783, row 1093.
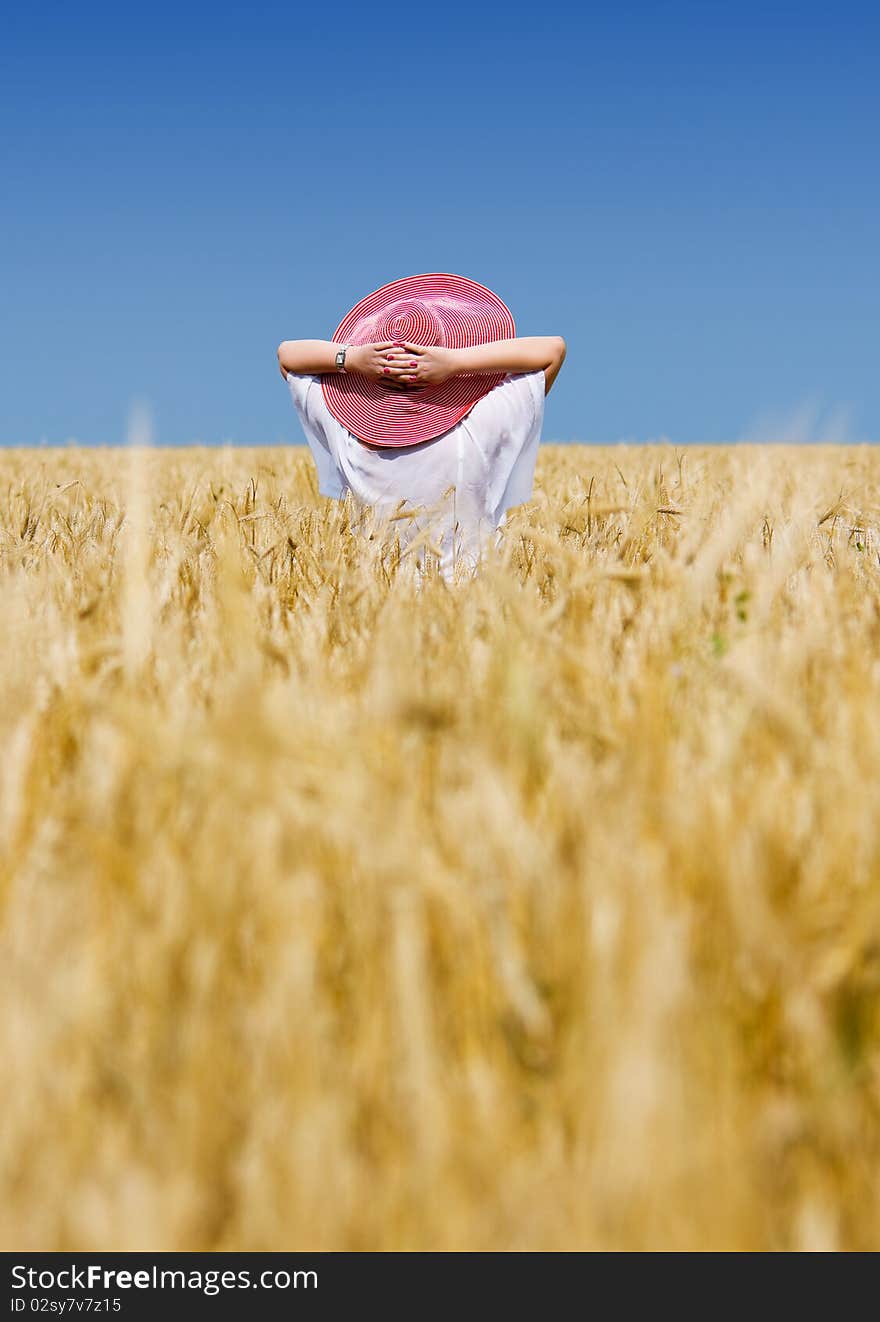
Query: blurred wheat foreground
column 535, row 911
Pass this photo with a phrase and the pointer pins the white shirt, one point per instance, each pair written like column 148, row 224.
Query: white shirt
column 458, row 487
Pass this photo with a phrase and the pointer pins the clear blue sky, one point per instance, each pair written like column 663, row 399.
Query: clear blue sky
column 688, row 192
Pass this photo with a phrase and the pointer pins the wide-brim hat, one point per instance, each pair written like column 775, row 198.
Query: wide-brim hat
column 433, row 308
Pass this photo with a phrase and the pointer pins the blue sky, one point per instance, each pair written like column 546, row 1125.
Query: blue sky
column 688, row 192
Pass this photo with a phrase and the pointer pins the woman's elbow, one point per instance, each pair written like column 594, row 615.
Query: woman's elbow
column 557, row 358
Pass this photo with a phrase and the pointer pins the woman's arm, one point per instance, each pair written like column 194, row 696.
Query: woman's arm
column 526, row 353
column 318, row 357
column 411, row 364
column 307, row 357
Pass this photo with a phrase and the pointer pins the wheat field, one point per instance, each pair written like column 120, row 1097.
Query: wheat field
column 342, row 910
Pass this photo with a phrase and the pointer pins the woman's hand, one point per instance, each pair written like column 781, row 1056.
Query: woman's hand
column 425, row 365
column 368, row 359
column 399, row 363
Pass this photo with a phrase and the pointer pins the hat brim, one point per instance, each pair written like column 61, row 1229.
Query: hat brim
column 433, row 308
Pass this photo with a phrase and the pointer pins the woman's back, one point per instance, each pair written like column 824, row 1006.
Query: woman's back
column 457, row 487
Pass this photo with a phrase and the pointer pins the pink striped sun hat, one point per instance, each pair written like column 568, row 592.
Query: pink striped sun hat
column 434, row 308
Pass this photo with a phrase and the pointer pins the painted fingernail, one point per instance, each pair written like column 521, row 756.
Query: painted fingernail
column 386, row 369
column 413, row 364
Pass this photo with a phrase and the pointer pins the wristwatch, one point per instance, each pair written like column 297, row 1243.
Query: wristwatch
column 340, row 359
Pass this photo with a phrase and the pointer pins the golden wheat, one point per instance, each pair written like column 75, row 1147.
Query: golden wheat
column 341, row 910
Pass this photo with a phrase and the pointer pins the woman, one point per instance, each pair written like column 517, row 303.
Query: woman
column 427, row 408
